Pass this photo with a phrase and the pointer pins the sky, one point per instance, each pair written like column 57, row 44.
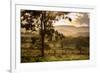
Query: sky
column 78, row 20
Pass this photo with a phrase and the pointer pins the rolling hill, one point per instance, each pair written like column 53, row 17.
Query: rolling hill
column 73, row 31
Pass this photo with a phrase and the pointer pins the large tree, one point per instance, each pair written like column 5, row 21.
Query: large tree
column 43, row 21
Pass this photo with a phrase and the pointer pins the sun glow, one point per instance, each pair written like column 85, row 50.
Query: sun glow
column 76, row 17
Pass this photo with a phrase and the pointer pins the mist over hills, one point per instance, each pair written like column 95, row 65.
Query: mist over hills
column 68, row 30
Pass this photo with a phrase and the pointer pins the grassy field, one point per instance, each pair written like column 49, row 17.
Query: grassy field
column 53, row 55
column 66, row 49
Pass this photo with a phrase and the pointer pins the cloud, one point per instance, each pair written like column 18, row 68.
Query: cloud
column 82, row 18
column 78, row 19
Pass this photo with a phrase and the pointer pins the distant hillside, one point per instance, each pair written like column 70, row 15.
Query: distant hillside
column 72, row 30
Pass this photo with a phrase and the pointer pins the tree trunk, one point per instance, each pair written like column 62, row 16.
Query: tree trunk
column 43, row 23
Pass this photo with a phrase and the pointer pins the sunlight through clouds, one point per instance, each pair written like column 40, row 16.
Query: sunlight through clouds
column 78, row 20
